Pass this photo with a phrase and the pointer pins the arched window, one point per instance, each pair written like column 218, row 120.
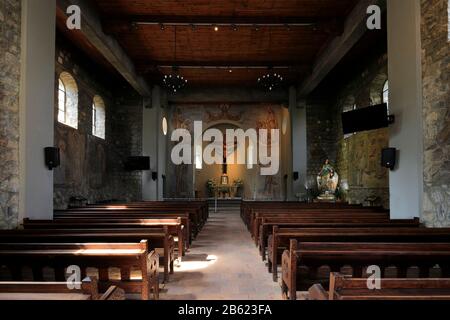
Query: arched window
column 98, row 117
column 67, row 100
column 386, row 92
column 448, row 23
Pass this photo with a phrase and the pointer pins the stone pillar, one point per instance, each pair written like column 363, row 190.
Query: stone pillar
column 405, row 97
column 36, row 107
column 299, row 144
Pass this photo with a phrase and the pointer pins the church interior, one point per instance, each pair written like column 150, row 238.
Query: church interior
column 224, row 150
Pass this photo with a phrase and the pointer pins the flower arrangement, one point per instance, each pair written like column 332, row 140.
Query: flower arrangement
column 211, row 185
column 238, row 183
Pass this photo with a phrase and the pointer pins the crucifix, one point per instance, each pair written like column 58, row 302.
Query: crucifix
column 225, row 153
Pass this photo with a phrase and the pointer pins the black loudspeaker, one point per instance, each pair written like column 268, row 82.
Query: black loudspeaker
column 388, row 158
column 52, row 157
column 154, row 176
column 295, row 176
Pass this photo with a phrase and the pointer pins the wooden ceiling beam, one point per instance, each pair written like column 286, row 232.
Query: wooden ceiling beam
column 146, row 68
column 217, row 20
column 353, row 30
column 131, row 23
column 108, row 46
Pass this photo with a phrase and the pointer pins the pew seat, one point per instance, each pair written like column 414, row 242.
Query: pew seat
column 344, row 287
column 303, row 263
column 15, row 257
column 84, row 290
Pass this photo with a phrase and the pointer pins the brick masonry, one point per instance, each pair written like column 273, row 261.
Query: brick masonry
column 10, row 20
column 91, row 167
column 436, row 112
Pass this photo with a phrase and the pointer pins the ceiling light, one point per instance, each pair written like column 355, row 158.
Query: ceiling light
column 234, row 27
column 271, row 80
column 174, row 81
column 216, row 28
column 162, row 26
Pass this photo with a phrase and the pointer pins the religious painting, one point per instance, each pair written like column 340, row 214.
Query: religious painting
column 224, row 180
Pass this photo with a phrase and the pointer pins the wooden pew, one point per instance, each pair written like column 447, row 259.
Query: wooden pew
column 267, row 224
column 280, row 239
column 324, row 216
column 88, row 290
column 302, row 262
column 125, row 215
column 174, row 226
column 344, row 287
column 248, row 209
column 337, row 214
column 59, row 256
column 128, row 217
column 197, row 214
column 200, row 205
column 158, row 240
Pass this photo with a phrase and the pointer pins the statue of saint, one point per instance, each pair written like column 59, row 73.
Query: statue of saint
column 327, row 182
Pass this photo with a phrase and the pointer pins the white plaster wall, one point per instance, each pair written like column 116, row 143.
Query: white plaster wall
column 405, row 102
column 36, row 107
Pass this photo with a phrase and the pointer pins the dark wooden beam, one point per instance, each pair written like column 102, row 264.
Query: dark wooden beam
column 217, row 20
column 132, row 23
column 106, row 45
column 146, row 67
column 354, row 28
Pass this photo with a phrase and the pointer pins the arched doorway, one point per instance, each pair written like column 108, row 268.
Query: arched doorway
column 235, row 173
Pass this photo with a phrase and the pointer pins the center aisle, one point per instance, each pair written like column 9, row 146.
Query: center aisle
column 223, row 263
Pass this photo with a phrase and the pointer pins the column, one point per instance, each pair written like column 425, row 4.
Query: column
column 36, row 107
column 405, row 90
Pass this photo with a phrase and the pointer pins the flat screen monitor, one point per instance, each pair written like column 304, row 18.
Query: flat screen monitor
column 137, row 163
column 370, row 118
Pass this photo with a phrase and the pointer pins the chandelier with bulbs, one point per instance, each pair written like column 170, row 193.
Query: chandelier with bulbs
column 174, row 81
column 270, row 80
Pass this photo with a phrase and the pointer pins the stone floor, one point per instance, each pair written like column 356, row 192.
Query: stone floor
column 223, row 263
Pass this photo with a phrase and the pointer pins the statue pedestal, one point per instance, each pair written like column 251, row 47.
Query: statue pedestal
column 326, row 197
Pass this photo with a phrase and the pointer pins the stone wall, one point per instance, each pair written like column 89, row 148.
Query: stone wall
column 436, row 112
column 321, row 136
column 359, row 155
column 92, row 167
column 10, row 20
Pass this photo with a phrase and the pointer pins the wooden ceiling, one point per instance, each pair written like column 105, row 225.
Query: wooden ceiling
column 206, row 56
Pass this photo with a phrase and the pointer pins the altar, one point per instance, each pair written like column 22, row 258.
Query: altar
column 225, row 189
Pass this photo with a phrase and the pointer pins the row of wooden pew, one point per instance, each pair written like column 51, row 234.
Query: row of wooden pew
column 132, row 237
column 313, row 243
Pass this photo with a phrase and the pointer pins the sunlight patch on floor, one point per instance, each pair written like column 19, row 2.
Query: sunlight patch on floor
column 196, row 265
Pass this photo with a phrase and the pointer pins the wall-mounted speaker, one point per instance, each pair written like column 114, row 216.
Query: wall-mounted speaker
column 154, row 176
column 52, row 159
column 295, row 176
column 388, row 158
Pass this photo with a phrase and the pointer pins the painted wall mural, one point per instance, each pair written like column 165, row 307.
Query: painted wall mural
column 186, row 181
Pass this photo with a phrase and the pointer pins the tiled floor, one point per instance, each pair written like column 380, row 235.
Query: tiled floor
column 223, row 263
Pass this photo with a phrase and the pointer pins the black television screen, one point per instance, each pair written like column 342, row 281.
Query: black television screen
column 370, row 118
column 137, row 163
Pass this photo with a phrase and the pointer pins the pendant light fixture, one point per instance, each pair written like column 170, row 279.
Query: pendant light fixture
column 174, row 81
